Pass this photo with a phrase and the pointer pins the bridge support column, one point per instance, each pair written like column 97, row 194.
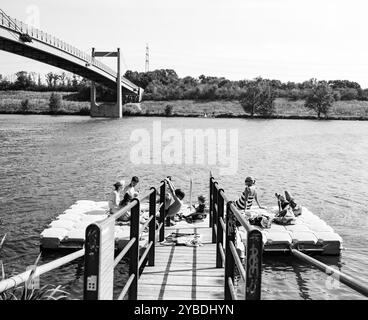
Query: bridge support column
column 108, row 110
column 119, row 98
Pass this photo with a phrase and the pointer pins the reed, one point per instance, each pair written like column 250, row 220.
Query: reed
column 26, row 291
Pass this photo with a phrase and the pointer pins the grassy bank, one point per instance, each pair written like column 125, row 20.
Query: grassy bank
column 10, row 102
column 284, row 109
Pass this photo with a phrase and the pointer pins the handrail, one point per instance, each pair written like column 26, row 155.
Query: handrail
column 237, row 260
column 102, row 230
column 142, row 228
column 349, row 281
column 123, row 252
column 251, row 273
column 16, row 280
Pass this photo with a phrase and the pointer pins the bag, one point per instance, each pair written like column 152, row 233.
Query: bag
column 262, row 221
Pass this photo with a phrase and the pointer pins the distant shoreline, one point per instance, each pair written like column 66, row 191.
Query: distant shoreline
column 226, row 116
column 10, row 103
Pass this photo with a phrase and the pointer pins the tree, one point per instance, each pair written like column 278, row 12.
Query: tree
column 62, row 78
column 168, row 110
column 39, row 83
column 49, row 77
column 55, row 103
column 320, row 99
column 24, row 106
column 56, row 77
column 23, row 81
column 259, row 97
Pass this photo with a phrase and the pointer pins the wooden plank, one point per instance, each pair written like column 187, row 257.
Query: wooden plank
column 182, row 272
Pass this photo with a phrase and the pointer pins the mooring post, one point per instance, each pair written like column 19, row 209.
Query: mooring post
column 162, row 210
column 134, row 250
column 254, row 249
column 152, row 227
column 229, row 259
column 220, row 230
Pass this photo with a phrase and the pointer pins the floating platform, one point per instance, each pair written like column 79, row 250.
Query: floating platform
column 68, row 230
column 309, row 233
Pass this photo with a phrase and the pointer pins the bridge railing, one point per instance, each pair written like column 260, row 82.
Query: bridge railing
column 21, row 27
column 252, row 271
column 100, row 243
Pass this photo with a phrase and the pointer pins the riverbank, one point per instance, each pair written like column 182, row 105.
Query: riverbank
column 38, row 103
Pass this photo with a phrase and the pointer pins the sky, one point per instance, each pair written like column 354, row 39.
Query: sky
column 289, row 40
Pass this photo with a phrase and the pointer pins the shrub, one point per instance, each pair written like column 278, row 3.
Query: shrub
column 55, row 103
column 84, row 111
column 349, row 94
column 24, row 106
column 131, row 109
column 169, row 110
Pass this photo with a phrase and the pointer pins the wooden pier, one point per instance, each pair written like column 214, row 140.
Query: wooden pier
column 182, row 272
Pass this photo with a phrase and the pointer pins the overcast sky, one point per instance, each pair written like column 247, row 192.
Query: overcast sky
column 239, row 39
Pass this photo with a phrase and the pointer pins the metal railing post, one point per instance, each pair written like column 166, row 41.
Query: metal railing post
column 152, row 227
column 229, row 259
column 211, row 202
column 254, row 252
column 214, row 209
column 99, row 261
column 220, row 231
column 162, row 211
column 134, row 251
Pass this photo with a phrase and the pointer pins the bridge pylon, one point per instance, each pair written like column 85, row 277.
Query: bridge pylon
column 107, row 109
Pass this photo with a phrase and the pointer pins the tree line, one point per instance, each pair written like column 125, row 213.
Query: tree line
column 165, row 84
column 53, row 81
column 257, row 96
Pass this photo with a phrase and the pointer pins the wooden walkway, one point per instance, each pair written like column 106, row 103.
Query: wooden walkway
column 182, row 272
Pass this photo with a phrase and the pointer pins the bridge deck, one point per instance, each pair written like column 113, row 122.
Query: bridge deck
column 182, row 272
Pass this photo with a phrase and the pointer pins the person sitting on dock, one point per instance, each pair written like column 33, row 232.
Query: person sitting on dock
column 130, row 188
column 173, row 201
column 115, row 196
column 246, row 199
column 198, row 213
column 126, row 216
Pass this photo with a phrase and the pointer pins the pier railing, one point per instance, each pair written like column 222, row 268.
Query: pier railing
column 100, row 244
column 18, row 279
column 252, row 270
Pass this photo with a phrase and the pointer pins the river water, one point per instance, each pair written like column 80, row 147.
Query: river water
column 47, row 163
